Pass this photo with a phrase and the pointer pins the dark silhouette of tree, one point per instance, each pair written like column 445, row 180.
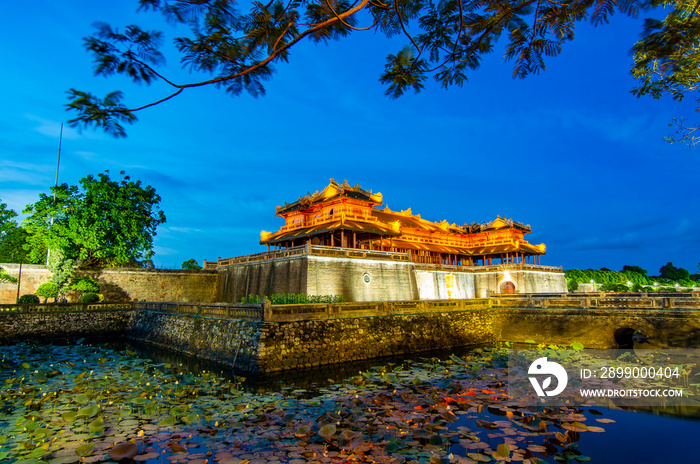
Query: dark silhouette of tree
column 237, row 51
column 671, row 272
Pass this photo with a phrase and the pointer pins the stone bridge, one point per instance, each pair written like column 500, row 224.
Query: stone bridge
column 600, row 320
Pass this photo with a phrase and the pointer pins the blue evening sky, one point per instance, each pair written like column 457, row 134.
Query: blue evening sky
column 570, row 151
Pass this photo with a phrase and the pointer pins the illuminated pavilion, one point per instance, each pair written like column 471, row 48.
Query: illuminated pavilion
column 350, row 217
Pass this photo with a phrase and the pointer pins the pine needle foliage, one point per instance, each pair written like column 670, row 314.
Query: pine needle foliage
column 445, row 39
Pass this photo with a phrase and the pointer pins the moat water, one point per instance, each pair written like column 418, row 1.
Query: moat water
column 89, row 403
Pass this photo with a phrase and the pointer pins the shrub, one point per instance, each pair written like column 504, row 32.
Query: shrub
column 614, row 288
column 47, row 290
column 28, row 299
column 85, row 284
column 5, row 277
column 90, row 297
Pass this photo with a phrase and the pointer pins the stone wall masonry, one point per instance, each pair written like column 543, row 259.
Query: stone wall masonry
column 64, row 322
column 233, row 343
column 359, row 279
column 32, row 276
column 305, row 344
column 124, row 284
column 281, row 275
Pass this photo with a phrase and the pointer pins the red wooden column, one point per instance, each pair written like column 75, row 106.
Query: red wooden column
column 342, row 238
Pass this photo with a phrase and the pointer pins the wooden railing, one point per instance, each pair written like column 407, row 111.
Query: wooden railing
column 319, row 250
column 487, row 267
column 328, row 218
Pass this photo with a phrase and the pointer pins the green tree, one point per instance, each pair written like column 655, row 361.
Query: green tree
column 84, row 284
column 191, row 264
column 636, row 269
column 62, row 269
column 100, row 222
column 12, row 237
column 7, row 221
column 237, row 51
column 14, row 245
column 671, row 272
column 47, row 290
column 667, row 59
column 5, row 277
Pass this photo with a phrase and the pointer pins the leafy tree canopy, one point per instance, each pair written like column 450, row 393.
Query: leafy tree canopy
column 12, row 238
column 637, row 269
column 671, row 272
column 100, row 222
column 237, row 51
column 191, row 264
column 47, row 290
column 7, row 222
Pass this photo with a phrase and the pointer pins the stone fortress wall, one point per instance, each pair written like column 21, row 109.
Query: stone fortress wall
column 124, row 284
column 377, row 277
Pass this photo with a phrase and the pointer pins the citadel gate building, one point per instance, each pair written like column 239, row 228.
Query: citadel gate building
column 340, row 241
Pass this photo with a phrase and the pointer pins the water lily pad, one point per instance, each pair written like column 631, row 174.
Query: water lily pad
column 86, row 449
column 123, row 451
column 88, row 411
column 327, row 431
column 478, row 457
column 97, row 426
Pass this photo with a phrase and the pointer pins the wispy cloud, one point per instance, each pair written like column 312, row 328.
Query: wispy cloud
column 186, row 230
column 18, row 199
column 51, row 128
column 164, row 251
column 24, row 173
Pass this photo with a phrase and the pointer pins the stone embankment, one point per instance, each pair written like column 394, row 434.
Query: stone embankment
column 264, row 338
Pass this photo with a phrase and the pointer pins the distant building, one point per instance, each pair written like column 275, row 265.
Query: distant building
column 340, row 241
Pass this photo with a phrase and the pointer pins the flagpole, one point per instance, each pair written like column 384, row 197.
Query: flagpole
column 55, row 184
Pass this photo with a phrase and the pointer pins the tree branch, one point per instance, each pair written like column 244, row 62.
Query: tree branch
column 274, row 54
